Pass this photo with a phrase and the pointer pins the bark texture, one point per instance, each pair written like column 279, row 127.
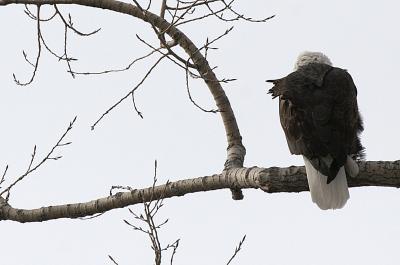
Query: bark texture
column 271, row 180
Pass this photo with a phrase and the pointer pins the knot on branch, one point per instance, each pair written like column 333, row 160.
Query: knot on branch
column 237, row 194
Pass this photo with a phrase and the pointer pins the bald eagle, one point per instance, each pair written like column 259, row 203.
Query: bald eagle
column 319, row 115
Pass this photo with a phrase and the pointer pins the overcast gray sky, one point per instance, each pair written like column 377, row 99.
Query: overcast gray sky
column 361, row 36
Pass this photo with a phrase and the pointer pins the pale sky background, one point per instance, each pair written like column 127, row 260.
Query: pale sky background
column 361, row 36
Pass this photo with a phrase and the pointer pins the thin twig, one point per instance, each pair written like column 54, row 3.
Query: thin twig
column 249, row 19
column 212, row 13
column 164, row 44
column 69, row 24
column 174, row 15
column 40, row 40
column 135, row 107
column 3, row 177
column 183, row 66
column 29, row 13
column 67, row 59
column 168, row 46
column 159, row 51
column 216, row 13
column 208, row 43
column 150, row 209
column 91, row 217
column 63, row 57
column 174, row 246
column 163, row 8
column 149, row 5
column 36, row 64
column 129, row 93
column 49, row 156
column 121, row 69
column 237, row 249
column 191, row 99
column 187, row 11
column 113, row 260
column 192, row 5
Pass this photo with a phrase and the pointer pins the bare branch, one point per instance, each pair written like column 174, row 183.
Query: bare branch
column 208, row 43
column 184, row 67
column 36, row 64
column 112, row 259
column 193, row 4
column 174, row 15
column 29, row 13
column 3, row 177
column 235, row 150
column 120, row 69
column 40, row 40
column 271, row 180
column 90, row 217
column 49, row 156
column 174, row 249
column 162, row 15
column 69, row 24
column 147, row 217
column 163, row 53
column 65, row 55
column 149, row 5
column 213, row 13
column 237, row 249
column 190, row 96
column 187, row 11
column 218, row 12
column 135, row 107
column 129, row 94
column 168, row 46
column 163, row 8
column 138, row 5
column 241, row 16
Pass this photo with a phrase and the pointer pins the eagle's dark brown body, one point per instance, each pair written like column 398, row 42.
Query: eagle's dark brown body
column 319, row 115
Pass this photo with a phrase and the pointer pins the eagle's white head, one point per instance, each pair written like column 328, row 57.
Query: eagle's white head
column 311, row 57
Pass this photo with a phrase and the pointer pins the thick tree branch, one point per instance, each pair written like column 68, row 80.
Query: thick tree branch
column 235, row 151
column 271, row 180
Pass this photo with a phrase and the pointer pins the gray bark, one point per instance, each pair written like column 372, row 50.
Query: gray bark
column 271, row 180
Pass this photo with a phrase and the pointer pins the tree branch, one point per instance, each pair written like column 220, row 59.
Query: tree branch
column 271, row 180
column 31, row 168
column 235, row 150
column 237, row 249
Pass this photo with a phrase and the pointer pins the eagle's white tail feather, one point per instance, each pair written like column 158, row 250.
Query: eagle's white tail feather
column 327, row 196
column 351, row 167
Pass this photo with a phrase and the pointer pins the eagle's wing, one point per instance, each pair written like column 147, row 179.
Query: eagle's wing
column 319, row 114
